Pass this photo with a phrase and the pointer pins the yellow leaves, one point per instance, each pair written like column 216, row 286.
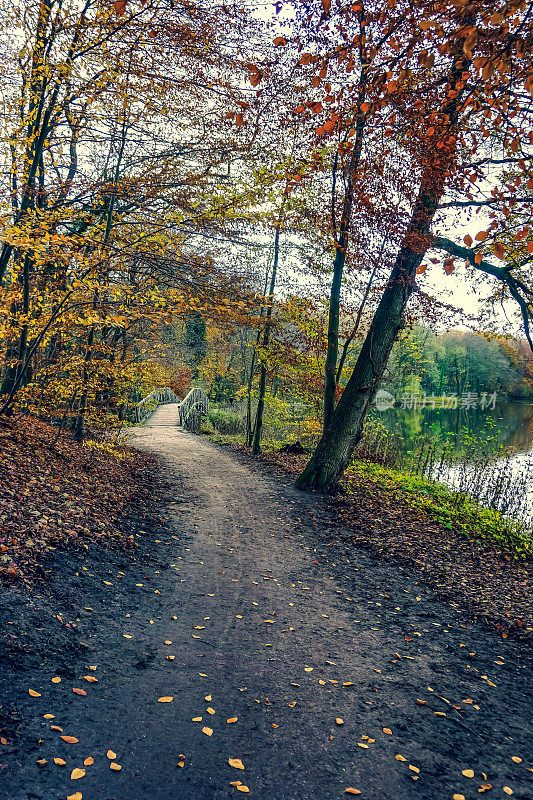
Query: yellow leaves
column 115, row 767
column 77, row 773
column 127, row 635
column 516, row 759
column 80, row 692
column 351, row 790
column 507, row 790
column 70, row 739
column 207, row 731
column 60, row 762
column 208, row 698
column 90, row 679
column 236, row 763
column 468, row 773
column 197, row 719
column 75, row 796
column 33, row 693
column 210, row 710
column 42, row 762
column 414, row 769
column 459, row 797
column 365, row 747
column 165, row 699
column 308, row 669
column 57, row 679
column 347, row 683
column 88, row 761
column 49, row 716
column 242, row 788
column 111, row 755
column 400, row 758
column 387, row 731
column 231, row 720
column 168, row 641
column 339, row 721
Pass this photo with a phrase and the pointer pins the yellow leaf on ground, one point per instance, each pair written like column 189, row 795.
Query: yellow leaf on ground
column 56, row 728
column 231, row 719
column 507, row 790
column 170, row 658
column 88, row 761
column 210, row 710
column 235, row 762
column 41, row 762
column 49, row 716
column 414, row 769
column 348, row 683
column 77, row 773
column 516, row 759
column 235, row 783
column 90, row 679
column 400, row 758
column 57, row 679
column 351, row 790
column 115, row 767
column 167, row 641
column 387, row 730
column 70, row 739
column 33, row 693
column 75, row 796
column 208, row 698
column 308, row 669
column 111, row 755
column 207, row 731
column 339, row 721
column 165, row 699
column 127, row 636
column 60, row 762
column 181, row 763
column 243, row 788
column 468, row 773
column 197, row 719
column 458, row 797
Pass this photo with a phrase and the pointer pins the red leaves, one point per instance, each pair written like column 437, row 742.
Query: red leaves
column 326, row 5
column 256, row 77
column 499, row 250
column 421, row 269
column 449, row 266
column 468, row 240
column 280, row 41
column 120, row 6
column 239, row 119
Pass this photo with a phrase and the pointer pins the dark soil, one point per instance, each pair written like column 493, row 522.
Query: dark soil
column 273, row 618
column 491, row 585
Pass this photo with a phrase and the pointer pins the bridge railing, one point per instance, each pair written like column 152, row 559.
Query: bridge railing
column 148, row 404
column 191, row 409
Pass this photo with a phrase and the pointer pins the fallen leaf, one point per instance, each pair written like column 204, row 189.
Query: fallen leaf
column 235, row 762
column 77, row 773
column 210, row 710
column 75, row 796
column 414, row 769
column 207, row 731
column 90, row 679
column 507, row 790
column 235, row 783
column 208, row 698
column 231, row 719
column 167, row 641
column 197, row 719
column 243, row 788
column 348, row 683
column 339, row 721
column 81, row 692
column 49, row 716
column 351, row 790
column 33, row 693
column 516, row 759
column 308, row 669
column 468, row 773
column 165, row 699
column 88, row 761
column 41, row 762
column 181, row 763
column 111, row 755
column 56, row 728
column 387, row 730
column 127, row 636
column 115, row 767
column 459, row 797
column 365, row 747
column 60, row 762
column 57, row 679
column 400, row 758
column 70, row 739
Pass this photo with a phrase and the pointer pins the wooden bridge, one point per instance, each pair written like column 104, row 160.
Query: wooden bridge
column 191, row 409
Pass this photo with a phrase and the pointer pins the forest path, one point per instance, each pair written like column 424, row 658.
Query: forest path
column 272, row 620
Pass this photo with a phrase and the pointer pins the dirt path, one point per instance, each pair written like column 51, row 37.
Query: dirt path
column 268, row 623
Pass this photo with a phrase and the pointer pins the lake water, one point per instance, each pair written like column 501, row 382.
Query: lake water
column 467, row 432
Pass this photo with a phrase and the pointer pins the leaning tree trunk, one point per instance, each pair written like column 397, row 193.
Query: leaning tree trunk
column 337, row 444
column 335, row 448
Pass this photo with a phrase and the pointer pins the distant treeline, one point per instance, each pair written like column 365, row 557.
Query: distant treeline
column 459, row 361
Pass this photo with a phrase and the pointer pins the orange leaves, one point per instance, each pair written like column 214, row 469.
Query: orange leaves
column 499, row 250
column 70, row 739
column 280, row 41
column 421, row 269
column 326, row 5
column 81, row 692
column 392, row 86
column 468, row 240
column 365, row 107
column 481, row 236
column 449, row 266
column 120, row 6
column 256, row 77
